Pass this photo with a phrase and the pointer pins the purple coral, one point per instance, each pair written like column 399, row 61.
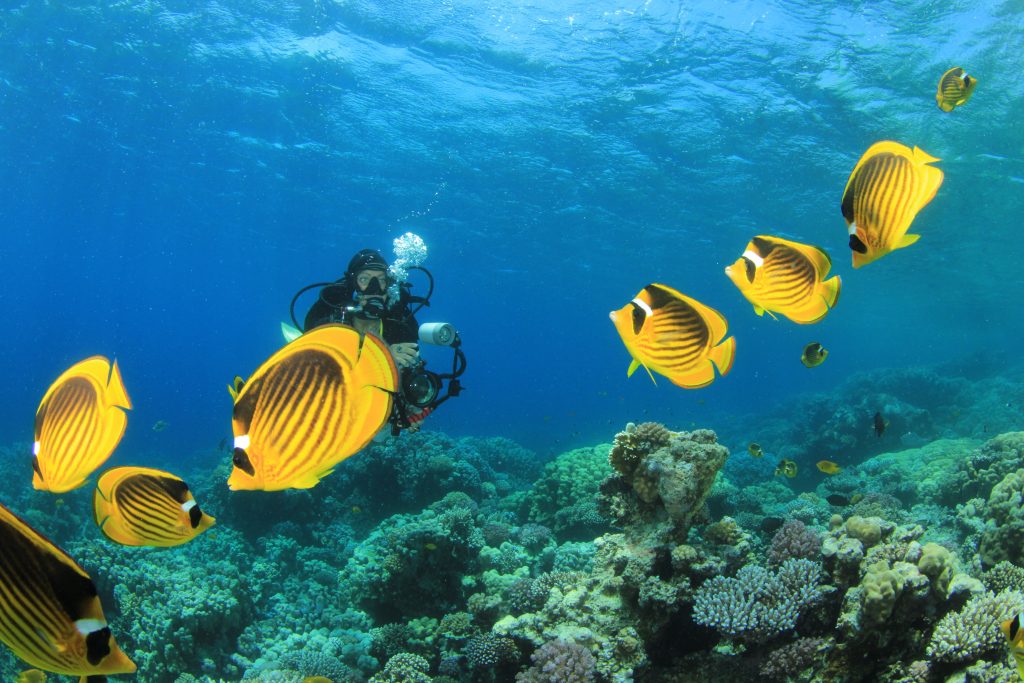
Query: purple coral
column 794, row 541
column 788, row 661
column 558, row 661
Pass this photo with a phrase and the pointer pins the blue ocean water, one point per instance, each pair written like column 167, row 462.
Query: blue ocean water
column 175, row 171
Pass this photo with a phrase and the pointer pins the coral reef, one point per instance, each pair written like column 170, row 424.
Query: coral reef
column 666, row 489
column 758, row 605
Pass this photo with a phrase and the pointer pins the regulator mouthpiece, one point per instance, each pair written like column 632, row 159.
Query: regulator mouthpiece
column 438, row 334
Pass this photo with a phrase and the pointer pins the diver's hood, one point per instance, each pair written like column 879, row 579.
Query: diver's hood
column 367, row 259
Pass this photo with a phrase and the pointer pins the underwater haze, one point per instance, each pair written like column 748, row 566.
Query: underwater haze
column 175, row 171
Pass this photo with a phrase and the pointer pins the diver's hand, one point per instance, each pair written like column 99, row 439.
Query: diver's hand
column 405, row 354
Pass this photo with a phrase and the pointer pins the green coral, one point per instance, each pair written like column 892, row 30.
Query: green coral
column 1003, row 537
column 867, row 530
column 563, row 499
column 937, row 564
column 404, row 667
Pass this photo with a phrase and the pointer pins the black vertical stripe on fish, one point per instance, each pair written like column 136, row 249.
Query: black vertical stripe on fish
column 1014, row 626
column 639, row 317
column 195, row 515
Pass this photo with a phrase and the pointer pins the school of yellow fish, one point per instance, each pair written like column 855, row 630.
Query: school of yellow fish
column 668, row 332
column 323, row 396
column 312, row 404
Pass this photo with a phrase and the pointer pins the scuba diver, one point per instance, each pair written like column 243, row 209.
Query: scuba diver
column 372, row 301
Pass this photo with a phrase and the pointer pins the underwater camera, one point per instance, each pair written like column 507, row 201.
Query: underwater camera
column 422, row 388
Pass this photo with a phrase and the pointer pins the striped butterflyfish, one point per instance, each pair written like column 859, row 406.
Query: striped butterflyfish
column 887, row 188
column 50, row 612
column 143, row 506
column 78, row 424
column 675, row 336
column 780, row 276
column 1011, row 628
column 312, row 404
column 955, row 88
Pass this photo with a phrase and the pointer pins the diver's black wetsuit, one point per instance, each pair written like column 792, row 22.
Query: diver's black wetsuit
column 398, row 325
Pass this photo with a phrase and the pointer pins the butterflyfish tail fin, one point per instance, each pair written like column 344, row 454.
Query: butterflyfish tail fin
column 116, row 394
column 923, row 157
column 830, row 290
column 724, row 354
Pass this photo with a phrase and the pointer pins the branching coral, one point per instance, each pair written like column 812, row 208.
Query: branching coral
column 974, row 631
column 756, row 604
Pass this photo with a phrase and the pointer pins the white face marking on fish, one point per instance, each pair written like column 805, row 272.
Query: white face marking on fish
column 242, row 441
column 643, row 304
column 753, row 258
column 87, row 626
column 188, row 505
column 35, row 448
column 852, row 229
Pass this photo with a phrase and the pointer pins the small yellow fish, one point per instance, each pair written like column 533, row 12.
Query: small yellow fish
column 667, row 332
column 430, row 546
column 31, row 676
column 356, row 509
column 786, row 467
column 316, row 679
column 856, row 498
column 79, row 423
column 785, row 277
column 1015, row 639
column 828, row 467
column 755, row 450
column 887, row 188
column 814, row 355
column 955, row 88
